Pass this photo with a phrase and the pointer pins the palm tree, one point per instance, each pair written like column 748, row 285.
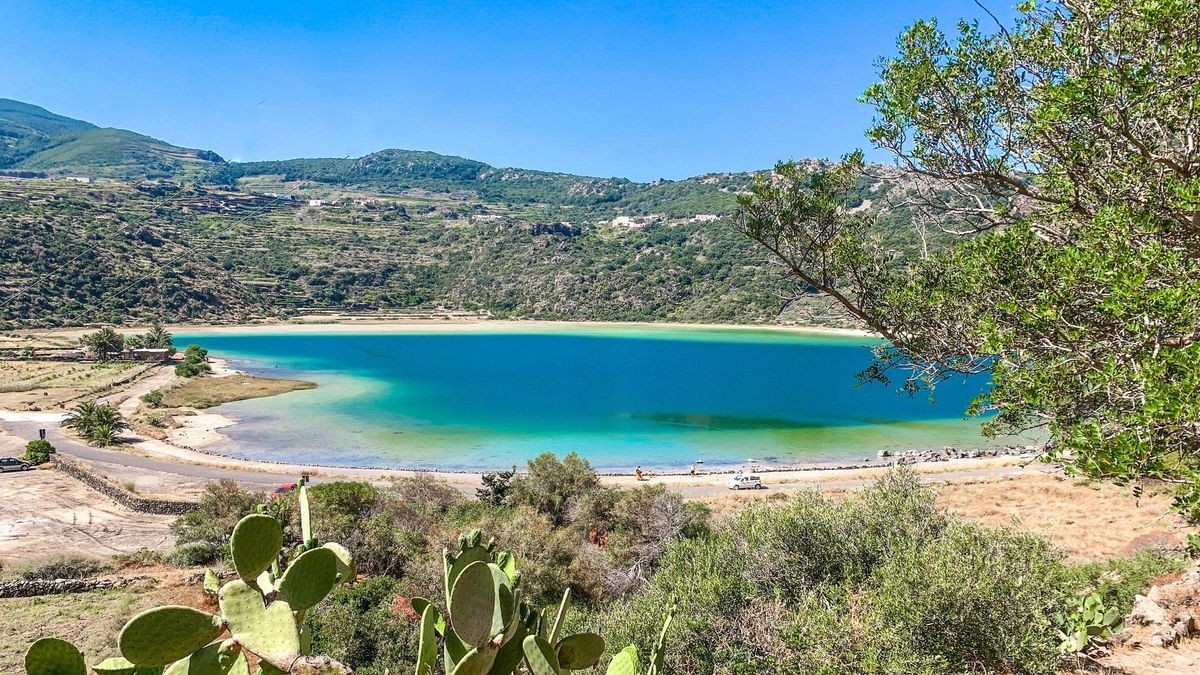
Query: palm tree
column 98, row 423
column 104, row 343
column 158, row 337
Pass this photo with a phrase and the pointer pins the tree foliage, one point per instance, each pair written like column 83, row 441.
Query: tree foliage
column 1065, row 152
column 99, row 423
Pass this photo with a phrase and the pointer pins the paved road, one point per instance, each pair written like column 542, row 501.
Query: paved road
column 117, row 459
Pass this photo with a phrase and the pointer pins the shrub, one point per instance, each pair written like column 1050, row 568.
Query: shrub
column 191, row 368
column 1118, row 580
column 974, row 599
column 195, row 553
column 153, row 399
column 194, row 362
column 221, row 506
column 142, row 557
column 38, row 451
column 364, row 627
column 496, row 487
column 552, row 487
column 880, row 582
column 62, row 566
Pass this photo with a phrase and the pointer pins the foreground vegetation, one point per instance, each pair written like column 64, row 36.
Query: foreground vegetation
column 878, row 582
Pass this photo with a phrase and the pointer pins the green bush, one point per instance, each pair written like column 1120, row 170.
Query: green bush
column 880, row 582
column 221, row 506
column 153, row 398
column 195, row 553
column 972, row 599
column 194, row 362
column 364, row 627
column 191, row 368
column 1120, row 579
column 62, row 566
column 553, row 487
column 38, row 451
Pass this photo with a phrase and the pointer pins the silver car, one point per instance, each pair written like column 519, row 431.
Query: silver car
column 13, row 464
column 745, row 482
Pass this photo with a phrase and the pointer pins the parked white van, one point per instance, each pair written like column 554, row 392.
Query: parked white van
column 745, row 482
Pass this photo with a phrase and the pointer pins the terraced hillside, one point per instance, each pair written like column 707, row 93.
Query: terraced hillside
column 395, row 231
column 117, row 252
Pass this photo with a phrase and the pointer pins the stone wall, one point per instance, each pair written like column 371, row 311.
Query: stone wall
column 24, row 588
column 117, row 493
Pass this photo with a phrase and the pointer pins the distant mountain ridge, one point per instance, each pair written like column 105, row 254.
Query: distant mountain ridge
column 36, row 140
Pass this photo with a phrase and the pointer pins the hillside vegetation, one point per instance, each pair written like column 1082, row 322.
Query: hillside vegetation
column 35, row 141
column 122, row 252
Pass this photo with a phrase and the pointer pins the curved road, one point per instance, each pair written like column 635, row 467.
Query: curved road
column 28, row 430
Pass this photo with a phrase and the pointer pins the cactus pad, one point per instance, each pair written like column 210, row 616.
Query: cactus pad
column 580, row 651
column 625, row 662
column 163, row 635
column 473, row 604
column 255, row 544
column 268, row 631
column 51, row 656
column 347, row 571
column 210, row 661
column 539, row 656
column 476, row 662
column 116, row 665
column 427, row 651
column 309, row 578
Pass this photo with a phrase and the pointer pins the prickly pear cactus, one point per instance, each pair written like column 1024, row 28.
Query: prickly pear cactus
column 261, row 610
column 488, row 629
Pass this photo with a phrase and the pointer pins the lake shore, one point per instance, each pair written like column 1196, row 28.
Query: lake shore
column 197, row 437
column 349, row 325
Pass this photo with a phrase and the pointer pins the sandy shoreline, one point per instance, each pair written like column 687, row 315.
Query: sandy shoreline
column 497, row 326
column 326, row 325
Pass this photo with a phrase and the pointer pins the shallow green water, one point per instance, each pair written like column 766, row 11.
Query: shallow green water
column 654, row 397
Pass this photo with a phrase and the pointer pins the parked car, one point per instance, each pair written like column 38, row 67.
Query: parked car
column 13, row 464
column 283, row 488
column 745, row 482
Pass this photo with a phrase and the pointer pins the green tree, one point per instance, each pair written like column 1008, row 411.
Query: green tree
column 552, row 487
column 38, row 451
column 158, row 337
column 104, row 344
column 99, row 423
column 1065, row 153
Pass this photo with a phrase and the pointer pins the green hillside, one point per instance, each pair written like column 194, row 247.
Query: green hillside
column 396, row 231
column 25, row 129
column 36, row 141
column 116, row 153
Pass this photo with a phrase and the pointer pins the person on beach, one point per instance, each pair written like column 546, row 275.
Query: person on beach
column 692, row 471
column 638, row 472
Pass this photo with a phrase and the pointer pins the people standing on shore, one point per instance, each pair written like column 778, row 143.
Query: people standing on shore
column 638, row 472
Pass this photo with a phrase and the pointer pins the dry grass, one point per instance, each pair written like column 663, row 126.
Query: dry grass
column 91, row 621
column 206, row 392
column 1089, row 521
column 42, row 385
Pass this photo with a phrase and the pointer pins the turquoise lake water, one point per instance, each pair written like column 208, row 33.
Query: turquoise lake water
column 658, row 397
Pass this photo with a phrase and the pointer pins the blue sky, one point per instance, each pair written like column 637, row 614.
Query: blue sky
column 640, row 90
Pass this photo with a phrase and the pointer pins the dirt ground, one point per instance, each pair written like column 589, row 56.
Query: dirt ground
column 44, row 511
column 1088, row 521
